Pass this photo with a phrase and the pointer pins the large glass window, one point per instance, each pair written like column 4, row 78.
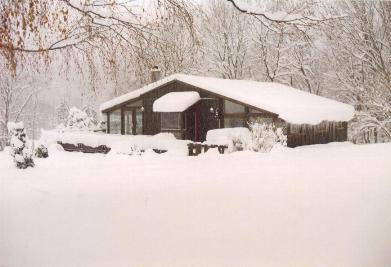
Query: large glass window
column 115, row 122
column 133, row 121
column 232, row 122
column 139, row 121
column 171, row 121
column 128, row 122
column 260, row 119
column 234, row 115
column 233, row 108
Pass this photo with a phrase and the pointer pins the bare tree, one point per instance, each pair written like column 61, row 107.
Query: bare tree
column 169, row 45
column 298, row 17
column 362, row 60
column 40, row 27
column 14, row 99
column 226, row 41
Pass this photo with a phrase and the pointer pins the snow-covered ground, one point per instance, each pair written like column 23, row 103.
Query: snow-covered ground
column 323, row 205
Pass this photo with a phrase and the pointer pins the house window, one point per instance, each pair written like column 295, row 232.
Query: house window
column 172, row 122
column 260, row 119
column 128, row 121
column 233, row 108
column 234, row 115
column 139, row 121
column 133, row 117
column 232, row 122
column 115, row 121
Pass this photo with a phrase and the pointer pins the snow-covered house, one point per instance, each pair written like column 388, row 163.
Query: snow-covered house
column 189, row 106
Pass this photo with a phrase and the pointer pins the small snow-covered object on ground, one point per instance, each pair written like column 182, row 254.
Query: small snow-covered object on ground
column 260, row 137
column 176, row 101
column 41, row 151
column 20, row 149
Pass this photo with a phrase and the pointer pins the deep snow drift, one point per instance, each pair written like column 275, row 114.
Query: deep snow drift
column 323, row 205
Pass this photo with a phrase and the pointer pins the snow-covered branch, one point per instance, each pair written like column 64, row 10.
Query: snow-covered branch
column 280, row 16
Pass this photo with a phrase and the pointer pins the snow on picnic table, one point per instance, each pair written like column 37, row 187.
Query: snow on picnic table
column 322, row 205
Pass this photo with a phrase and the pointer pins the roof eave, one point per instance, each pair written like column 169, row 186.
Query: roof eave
column 106, row 110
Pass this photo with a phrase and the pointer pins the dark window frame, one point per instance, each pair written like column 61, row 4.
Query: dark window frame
column 133, row 110
column 236, row 115
column 182, row 127
column 110, row 123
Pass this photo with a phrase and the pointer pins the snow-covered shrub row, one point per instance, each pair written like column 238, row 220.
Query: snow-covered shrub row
column 260, row 137
column 20, row 149
column 79, row 120
column 119, row 144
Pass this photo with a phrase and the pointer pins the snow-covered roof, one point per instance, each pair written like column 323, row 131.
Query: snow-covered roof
column 291, row 105
column 176, row 101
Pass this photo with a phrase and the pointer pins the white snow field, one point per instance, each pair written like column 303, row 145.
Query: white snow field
column 323, row 205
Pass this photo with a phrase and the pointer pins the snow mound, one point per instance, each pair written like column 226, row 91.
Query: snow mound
column 175, row 101
column 119, row 144
column 225, row 136
column 228, row 137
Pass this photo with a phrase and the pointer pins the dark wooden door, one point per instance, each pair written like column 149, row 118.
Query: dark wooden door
column 209, row 116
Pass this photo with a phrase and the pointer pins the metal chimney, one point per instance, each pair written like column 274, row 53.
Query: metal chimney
column 155, row 74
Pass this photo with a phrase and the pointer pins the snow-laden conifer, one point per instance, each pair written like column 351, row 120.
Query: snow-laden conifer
column 20, row 149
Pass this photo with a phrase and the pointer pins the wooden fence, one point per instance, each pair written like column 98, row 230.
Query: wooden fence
column 323, row 133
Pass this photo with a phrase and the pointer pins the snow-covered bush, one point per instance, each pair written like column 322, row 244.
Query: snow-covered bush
column 261, row 137
column 239, row 144
column 19, row 149
column 41, row 151
column 80, row 121
column 369, row 127
column 91, row 113
column 266, row 136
